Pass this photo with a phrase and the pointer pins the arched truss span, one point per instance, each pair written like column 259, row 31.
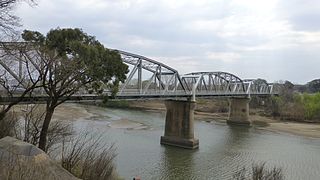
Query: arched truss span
column 258, row 86
column 213, row 83
column 148, row 76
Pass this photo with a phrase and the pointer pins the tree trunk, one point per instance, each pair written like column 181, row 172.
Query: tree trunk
column 2, row 115
column 44, row 130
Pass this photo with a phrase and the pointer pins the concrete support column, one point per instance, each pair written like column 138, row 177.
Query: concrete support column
column 239, row 111
column 179, row 129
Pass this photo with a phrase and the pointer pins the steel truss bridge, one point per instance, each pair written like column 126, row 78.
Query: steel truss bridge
column 147, row 78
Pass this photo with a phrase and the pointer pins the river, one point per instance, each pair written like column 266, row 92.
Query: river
column 223, row 149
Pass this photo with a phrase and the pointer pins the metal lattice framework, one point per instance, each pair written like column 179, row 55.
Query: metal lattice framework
column 147, row 78
column 213, row 83
column 17, row 72
column 258, row 86
column 152, row 77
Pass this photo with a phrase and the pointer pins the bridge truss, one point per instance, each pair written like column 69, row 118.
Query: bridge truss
column 147, row 78
column 152, row 78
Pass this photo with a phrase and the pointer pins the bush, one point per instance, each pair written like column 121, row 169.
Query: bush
column 87, row 157
column 31, row 124
column 292, row 110
column 8, row 125
column 259, row 172
column 311, row 103
column 298, row 107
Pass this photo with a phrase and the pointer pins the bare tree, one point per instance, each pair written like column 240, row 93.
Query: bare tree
column 8, row 21
column 33, row 117
column 18, row 75
column 8, row 24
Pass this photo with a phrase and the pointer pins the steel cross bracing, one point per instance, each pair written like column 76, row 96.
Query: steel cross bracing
column 164, row 81
column 153, row 78
column 147, row 78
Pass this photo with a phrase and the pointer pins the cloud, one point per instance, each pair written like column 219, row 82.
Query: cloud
column 303, row 15
column 227, row 57
column 246, row 37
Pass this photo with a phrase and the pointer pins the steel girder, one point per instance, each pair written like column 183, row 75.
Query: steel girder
column 159, row 78
column 15, row 69
column 147, row 77
column 213, row 83
column 258, row 86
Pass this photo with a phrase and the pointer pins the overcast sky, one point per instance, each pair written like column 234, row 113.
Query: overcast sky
column 270, row 39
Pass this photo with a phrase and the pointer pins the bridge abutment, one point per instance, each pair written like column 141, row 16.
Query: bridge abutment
column 179, row 130
column 239, row 111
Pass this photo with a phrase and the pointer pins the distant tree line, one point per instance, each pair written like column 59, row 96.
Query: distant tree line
column 294, row 102
column 311, row 87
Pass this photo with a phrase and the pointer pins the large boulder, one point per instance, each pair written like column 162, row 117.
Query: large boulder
column 23, row 161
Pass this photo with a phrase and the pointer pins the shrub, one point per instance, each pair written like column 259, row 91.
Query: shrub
column 31, row 124
column 311, row 104
column 8, row 125
column 259, row 172
column 87, row 157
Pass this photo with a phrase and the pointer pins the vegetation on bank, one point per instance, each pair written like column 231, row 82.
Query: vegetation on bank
column 86, row 155
column 299, row 107
column 295, row 106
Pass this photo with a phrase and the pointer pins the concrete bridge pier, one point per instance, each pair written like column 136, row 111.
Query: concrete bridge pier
column 179, row 130
column 239, row 111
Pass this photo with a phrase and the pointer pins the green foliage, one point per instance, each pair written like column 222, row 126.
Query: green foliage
column 274, row 105
column 296, row 106
column 31, row 36
column 313, row 86
column 71, row 60
column 311, row 103
column 72, row 54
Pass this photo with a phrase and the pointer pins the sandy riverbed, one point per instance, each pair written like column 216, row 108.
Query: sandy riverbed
column 72, row 112
column 261, row 122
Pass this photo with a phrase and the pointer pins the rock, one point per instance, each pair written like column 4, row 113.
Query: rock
column 23, row 161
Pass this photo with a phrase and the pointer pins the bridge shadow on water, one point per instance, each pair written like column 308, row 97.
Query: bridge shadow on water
column 222, row 156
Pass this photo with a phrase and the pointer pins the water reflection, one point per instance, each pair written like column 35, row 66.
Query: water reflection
column 220, row 157
column 237, row 136
column 177, row 163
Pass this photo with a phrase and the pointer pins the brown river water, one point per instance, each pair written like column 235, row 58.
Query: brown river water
column 223, row 149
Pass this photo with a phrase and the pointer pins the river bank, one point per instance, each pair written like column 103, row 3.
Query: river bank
column 204, row 112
